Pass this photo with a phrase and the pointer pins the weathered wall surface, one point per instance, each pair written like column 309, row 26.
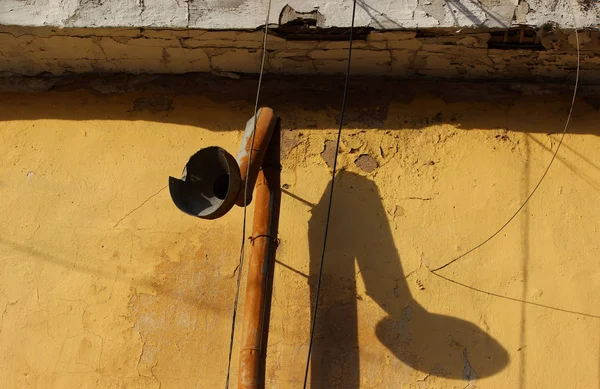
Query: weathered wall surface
column 249, row 14
column 105, row 284
column 452, row 54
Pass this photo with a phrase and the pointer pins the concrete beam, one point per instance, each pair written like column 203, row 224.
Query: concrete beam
column 250, row 14
column 447, row 54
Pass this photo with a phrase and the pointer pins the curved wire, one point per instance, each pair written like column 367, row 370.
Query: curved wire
column 510, row 219
column 242, row 246
column 337, row 147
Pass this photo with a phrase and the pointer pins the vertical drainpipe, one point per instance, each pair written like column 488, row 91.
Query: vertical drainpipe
column 262, row 258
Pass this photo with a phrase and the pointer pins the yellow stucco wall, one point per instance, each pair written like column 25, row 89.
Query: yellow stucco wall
column 105, row 284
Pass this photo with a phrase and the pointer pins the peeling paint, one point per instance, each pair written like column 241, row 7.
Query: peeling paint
column 366, row 163
column 468, row 373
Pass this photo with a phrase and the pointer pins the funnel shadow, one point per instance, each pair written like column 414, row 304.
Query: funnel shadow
column 435, row 344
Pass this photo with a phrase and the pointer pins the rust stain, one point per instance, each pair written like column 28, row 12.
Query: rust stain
column 184, row 316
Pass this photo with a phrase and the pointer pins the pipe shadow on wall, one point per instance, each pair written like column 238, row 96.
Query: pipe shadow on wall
column 435, row 344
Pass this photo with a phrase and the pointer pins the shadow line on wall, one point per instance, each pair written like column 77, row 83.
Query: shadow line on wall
column 373, row 103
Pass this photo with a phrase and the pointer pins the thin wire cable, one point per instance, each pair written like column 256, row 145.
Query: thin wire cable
column 243, row 245
column 337, row 147
column 545, row 171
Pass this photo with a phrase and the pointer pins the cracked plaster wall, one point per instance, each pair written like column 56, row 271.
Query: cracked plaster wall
column 249, row 14
column 105, row 284
column 446, row 53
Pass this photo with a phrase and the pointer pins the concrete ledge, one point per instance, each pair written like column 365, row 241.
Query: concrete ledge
column 467, row 54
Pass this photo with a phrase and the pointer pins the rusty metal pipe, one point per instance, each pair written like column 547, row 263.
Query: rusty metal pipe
column 212, row 181
column 265, row 124
column 259, row 283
